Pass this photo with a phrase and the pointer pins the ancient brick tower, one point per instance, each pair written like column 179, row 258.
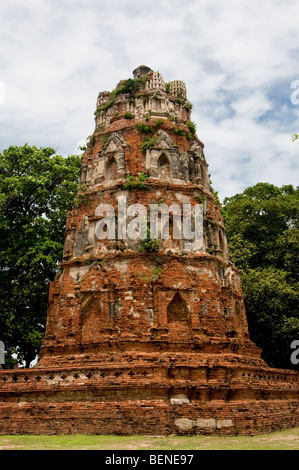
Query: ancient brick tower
column 146, row 336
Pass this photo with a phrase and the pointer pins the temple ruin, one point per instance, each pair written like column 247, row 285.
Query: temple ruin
column 146, row 336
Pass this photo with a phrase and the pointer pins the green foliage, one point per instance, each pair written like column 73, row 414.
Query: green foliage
column 149, row 245
column 263, row 236
column 152, row 276
column 129, row 87
column 215, row 194
column 82, row 147
column 90, row 140
column 167, row 87
column 159, row 122
column 145, row 129
column 267, row 217
column 272, row 310
column 182, row 132
column 201, row 199
column 217, row 200
column 148, row 116
column 128, row 115
column 148, row 143
column 178, row 131
column 213, row 223
column 104, row 140
column 82, row 199
column 138, row 183
column 191, row 126
column 37, row 188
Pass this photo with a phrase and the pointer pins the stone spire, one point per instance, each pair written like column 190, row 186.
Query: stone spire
column 150, row 95
column 141, row 71
column 125, row 291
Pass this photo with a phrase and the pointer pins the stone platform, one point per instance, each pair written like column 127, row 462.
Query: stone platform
column 153, row 394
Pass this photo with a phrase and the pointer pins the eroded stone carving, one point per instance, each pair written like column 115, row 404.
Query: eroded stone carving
column 111, row 161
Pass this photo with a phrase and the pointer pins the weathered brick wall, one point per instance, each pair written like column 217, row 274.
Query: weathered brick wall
column 161, row 397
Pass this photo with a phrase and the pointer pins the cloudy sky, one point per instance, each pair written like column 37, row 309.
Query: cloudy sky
column 238, row 58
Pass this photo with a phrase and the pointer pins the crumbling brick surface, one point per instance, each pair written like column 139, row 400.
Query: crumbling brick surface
column 137, row 341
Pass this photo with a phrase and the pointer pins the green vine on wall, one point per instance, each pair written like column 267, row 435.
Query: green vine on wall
column 148, row 143
column 129, row 87
column 137, row 183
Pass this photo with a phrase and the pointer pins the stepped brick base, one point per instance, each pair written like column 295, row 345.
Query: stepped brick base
column 161, row 397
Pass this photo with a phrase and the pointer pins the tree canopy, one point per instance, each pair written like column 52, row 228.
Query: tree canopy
column 37, row 188
column 263, row 236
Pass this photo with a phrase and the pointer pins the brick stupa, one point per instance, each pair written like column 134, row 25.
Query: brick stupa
column 142, row 337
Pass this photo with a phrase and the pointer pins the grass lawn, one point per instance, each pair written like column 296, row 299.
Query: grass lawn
column 282, row 440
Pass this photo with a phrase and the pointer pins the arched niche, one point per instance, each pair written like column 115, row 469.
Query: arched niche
column 110, row 171
column 91, row 312
column 111, row 161
column 177, row 310
column 164, row 170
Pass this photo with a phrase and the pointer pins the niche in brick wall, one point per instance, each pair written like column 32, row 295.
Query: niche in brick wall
column 91, row 320
column 163, row 168
column 110, row 170
column 178, row 318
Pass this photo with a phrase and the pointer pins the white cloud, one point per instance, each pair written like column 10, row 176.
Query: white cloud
column 237, row 58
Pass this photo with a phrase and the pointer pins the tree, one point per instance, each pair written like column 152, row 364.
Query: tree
column 37, row 188
column 263, row 236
